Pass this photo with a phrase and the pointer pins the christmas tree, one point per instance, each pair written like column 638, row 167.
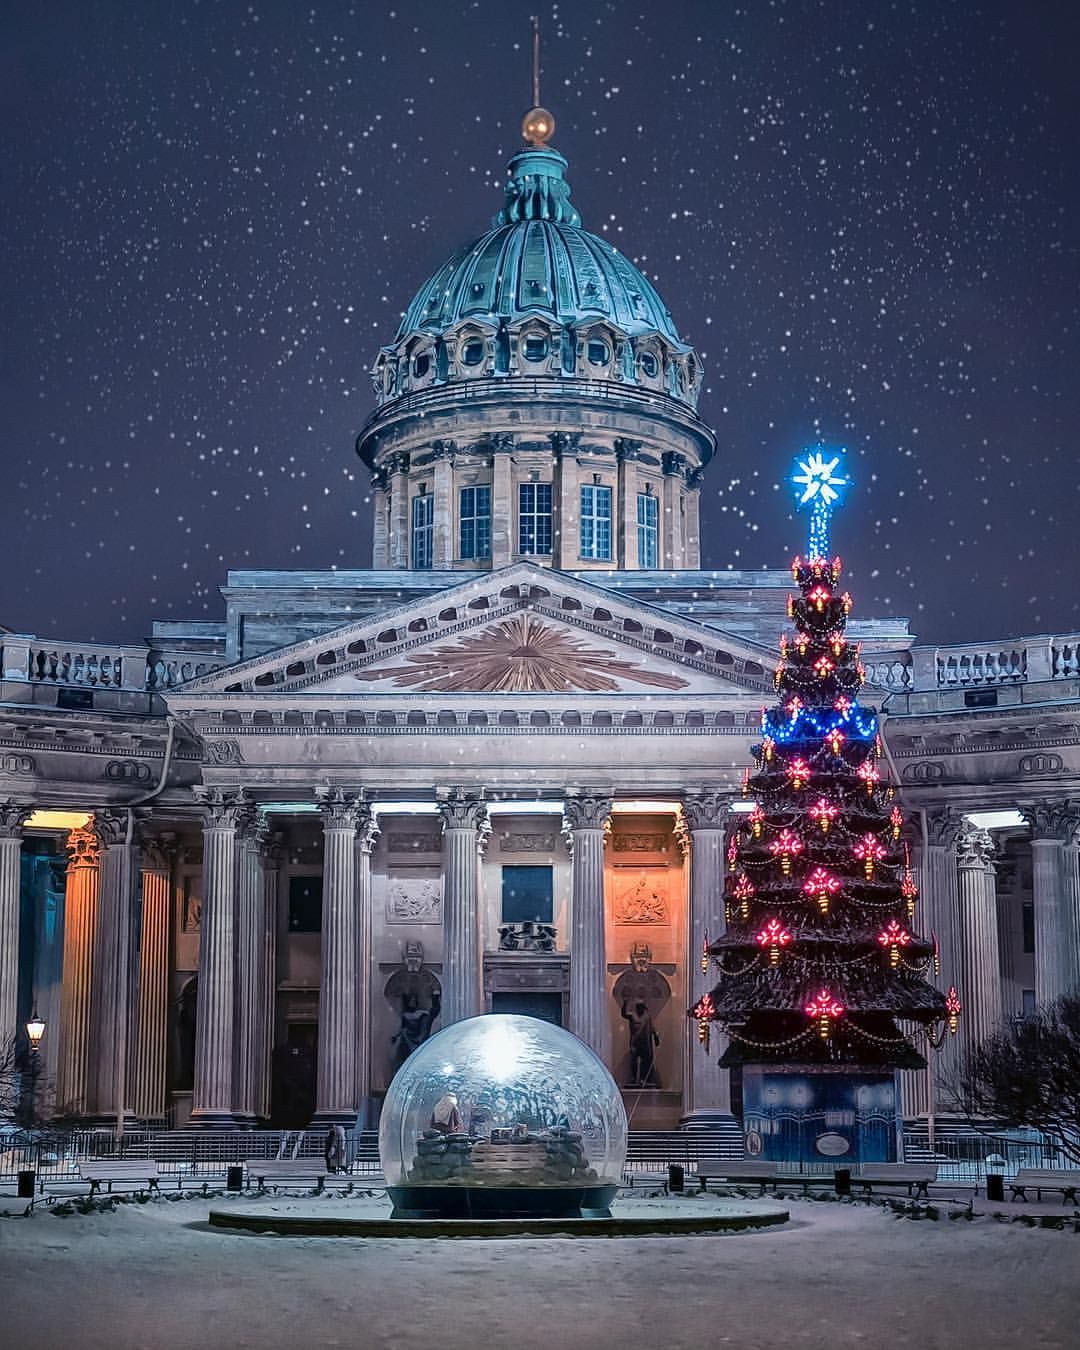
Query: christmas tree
column 821, row 960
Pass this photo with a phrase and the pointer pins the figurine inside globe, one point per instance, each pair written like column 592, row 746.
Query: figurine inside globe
column 502, row 1116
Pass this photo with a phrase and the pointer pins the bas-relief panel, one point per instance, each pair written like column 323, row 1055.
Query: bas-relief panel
column 415, row 899
column 641, row 843
column 524, row 654
column 641, row 895
column 514, row 841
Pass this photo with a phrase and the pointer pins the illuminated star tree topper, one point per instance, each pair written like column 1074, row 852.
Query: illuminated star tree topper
column 820, row 479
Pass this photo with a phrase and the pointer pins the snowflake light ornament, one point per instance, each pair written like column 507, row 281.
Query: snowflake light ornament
column 821, row 480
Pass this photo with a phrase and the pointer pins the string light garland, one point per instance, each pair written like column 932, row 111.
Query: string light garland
column 819, row 902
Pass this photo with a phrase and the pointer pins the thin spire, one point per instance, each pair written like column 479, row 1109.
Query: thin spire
column 536, row 60
column 538, row 125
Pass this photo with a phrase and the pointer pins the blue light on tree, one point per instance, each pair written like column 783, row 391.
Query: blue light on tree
column 821, row 480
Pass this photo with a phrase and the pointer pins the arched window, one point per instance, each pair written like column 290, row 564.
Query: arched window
column 535, row 347
column 598, row 351
column 472, row 353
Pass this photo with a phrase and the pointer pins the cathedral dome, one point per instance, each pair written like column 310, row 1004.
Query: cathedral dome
column 538, row 296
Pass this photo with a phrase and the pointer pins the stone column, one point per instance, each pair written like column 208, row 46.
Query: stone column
column 708, row 1087
column 80, row 924
column 215, row 1026
column 380, row 538
column 444, row 543
column 366, row 833
column 565, row 496
column 585, row 817
column 979, row 973
column 250, row 972
column 337, row 1091
column 151, row 1038
column 271, row 871
column 1071, row 954
column 397, row 466
column 12, row 816
column 111, row 999
column 1053, row 824
column 504, row 540
column 937, row 915
column 463, row 815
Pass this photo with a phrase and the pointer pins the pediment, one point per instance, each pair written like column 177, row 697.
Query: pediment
column 523, row 629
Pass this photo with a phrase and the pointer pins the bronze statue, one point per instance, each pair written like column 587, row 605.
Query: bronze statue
column 418, row 996
column 643, row 1043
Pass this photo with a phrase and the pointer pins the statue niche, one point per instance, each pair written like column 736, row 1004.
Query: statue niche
column 415, row 994
column 641, row 993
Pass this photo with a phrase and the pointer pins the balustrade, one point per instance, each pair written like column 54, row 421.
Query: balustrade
column 84, row 665
column 958, row 668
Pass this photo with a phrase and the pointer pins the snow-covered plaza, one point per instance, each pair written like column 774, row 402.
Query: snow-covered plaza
column 838, row 1274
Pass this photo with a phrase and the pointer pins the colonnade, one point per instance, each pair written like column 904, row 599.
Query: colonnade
column 113, row 1030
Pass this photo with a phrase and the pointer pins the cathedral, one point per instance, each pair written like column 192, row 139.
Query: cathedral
column 248, row 865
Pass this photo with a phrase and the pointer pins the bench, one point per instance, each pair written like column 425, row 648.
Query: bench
column 1039, row 1179
column 108, row 1170
column 915, row 1177
column 286, row 1171
column 720, row 1169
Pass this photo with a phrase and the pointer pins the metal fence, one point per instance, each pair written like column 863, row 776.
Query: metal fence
column 201, row 1155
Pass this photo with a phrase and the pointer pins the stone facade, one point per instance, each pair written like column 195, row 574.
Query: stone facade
column 286, row 833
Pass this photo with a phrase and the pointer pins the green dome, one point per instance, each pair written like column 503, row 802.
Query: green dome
column 538, row 260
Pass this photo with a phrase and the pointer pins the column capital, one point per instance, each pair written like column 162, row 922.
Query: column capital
column 223, row 808
column 706, row 810
column 273, row 846
column 483, row 835
column 367, row 829
column 159, row 852
column 339, row 808
column 943, row 826
column 975, row 848
column 83, row 849
column 1056, row 821
column 586, row 811
column 13, row 816
column 462, row 810
column 110, row 827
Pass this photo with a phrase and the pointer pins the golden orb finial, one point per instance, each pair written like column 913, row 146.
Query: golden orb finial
column 537, row 126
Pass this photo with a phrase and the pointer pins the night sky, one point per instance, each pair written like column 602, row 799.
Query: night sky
column 864, row 215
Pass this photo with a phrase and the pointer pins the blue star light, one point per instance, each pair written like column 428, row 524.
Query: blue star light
column 821, row 480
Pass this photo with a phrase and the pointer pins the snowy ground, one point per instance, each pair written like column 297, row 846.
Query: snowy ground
column 838, row 1275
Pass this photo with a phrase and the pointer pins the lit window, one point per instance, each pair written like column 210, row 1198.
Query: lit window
column 423, row 519
column 536, row 347
column 475, row 522
column 473, row 352
column 596, row 522
column 598, row 351
column 648, row 541
column 534, row 518
column 527, row 895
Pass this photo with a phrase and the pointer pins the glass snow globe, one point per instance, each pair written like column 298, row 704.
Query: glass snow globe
column 502, row 1116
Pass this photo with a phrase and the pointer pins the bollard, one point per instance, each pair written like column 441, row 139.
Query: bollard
column 675, row 1179
column 842, row 1180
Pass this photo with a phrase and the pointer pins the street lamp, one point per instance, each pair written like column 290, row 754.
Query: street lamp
column 35, row 1031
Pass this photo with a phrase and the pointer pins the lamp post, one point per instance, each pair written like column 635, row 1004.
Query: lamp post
column 35, row 1034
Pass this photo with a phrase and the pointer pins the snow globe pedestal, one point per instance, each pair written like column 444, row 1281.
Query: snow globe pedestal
column 502, row 1117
